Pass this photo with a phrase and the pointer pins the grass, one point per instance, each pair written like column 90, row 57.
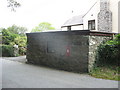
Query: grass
column 106, row 72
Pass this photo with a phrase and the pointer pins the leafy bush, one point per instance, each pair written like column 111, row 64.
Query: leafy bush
column 8, row 37
column 7, row 51
column 108, row 60
column 11, row 36
column 22, row 50
column 107, row 55
column 108, row 52
column 0, row 51
column 116, row 41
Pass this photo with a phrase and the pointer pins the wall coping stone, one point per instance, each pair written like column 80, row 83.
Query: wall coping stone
column 78, row 32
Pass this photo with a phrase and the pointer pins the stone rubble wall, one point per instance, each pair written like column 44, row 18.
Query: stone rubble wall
column 94, row 42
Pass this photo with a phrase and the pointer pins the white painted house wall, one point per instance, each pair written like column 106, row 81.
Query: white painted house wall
column 92, row 15
column 119, row 17
column 64, row 28
column 114, row 9
column 80, row 27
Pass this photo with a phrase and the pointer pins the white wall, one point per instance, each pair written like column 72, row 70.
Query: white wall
column 64, row 28
column 114, row 9
column 80, row 27
column 96, row 9
column 92, row 15
column 119, row 17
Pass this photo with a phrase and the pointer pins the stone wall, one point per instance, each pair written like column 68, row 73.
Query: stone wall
column 71, row 51
column 62, row 51
column 94, row 42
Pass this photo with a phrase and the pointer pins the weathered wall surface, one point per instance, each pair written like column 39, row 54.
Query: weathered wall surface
column 71, row 51
column 62, row 51
column 94, row 42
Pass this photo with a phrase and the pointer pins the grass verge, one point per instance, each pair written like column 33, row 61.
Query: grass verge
column 106, row 72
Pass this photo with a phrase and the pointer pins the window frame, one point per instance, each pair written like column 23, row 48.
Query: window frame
column 91, row 25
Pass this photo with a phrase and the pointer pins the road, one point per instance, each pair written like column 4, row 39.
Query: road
column 17, row 74
column 0, row 73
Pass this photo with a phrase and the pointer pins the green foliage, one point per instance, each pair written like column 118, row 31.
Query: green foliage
column 108, row 52
column 42, row 27
column 116, row 41
column 17, row 30
column 20, row 41
column 22, row 50
column 108, row 60
column 106, row 72
column 7, row 50
column 8, row 37
column 14, row 35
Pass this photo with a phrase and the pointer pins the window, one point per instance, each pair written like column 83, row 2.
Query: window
column 69, row 28
column 91, row 25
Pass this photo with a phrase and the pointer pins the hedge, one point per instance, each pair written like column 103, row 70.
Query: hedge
column 107, row 55
column 7, row 50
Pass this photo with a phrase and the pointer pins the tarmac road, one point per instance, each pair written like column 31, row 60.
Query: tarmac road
column 0, row 73
column 22, row 75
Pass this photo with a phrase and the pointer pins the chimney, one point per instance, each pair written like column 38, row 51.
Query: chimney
column 104, row 5
column 104, row 17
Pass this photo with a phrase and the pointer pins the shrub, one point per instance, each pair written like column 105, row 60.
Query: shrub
column 22, row 50
column 0, row 51
column 13, row 36
column 108, row 52
column 107, row 60
column 116, row 41
column 107, row 55
column 7, row 50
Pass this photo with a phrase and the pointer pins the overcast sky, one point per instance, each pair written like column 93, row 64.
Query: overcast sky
column 32, row 12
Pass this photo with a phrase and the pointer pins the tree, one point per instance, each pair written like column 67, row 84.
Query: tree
column 13, row 4
column 14, row 35
column 7, row 36
column 21, row 41
column 17, row 30
column 42, row 27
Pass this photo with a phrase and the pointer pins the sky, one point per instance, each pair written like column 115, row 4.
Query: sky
column 33, row 12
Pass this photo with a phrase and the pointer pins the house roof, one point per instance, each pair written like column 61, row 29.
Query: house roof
column 90, row 9
column 77, row 20
column 74, row 21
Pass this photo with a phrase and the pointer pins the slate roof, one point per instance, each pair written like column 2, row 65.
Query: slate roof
column 74, row 21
